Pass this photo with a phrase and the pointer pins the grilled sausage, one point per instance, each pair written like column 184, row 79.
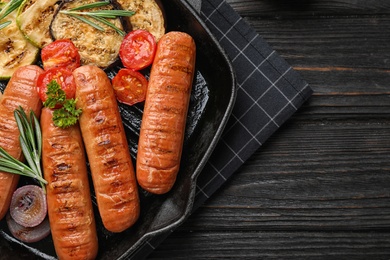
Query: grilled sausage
column 20, row 91
column 69, row 202
column 107, row 149
column 166, row 105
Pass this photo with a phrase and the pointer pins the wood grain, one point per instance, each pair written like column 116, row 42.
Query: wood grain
column 320, row 186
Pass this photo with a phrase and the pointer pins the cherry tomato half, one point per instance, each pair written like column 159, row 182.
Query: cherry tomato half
column 137, row 49
column 60, row 53
column 64, row 78
column 129, row 86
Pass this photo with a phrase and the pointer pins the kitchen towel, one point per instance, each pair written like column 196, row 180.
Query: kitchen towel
column 269, row 93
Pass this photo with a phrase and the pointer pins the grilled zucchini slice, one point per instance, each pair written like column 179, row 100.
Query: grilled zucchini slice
column 149, row 15
column 34, row 18
column 100, row 48
column 15, row 50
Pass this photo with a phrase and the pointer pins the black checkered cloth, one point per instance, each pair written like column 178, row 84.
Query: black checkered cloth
column 269, row 93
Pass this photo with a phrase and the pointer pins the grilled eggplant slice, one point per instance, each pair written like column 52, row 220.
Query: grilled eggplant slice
column 149, row 15
column 15, row 50
column 34, row 19
column 99, row 48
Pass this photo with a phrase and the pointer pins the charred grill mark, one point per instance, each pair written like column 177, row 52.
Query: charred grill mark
column 171, row 109
column 182, row 48
column 45, row 14
column 57, row 146
column 65, row 208
column 99, row 119
column 55, row 176
column 73, row 210
column 184, row 69
column 63, row 167
column 176, row 89
column 162, row 150
column 116, row 183
column 91, row 99
column 72, row 228
column 7, row 127
column 113, row 167
column 8, row 46
column 111, row 163
column 104, row 142
column 27, row 5
column 109, row 129
column 16, row 60
column 8, row 143
column 64, row 187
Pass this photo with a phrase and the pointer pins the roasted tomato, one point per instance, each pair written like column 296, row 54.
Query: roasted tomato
column 129, row 86
column 60, row 53
column 137, row 49
column 62, row 76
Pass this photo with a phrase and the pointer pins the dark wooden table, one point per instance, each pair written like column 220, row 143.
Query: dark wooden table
column 320, row 186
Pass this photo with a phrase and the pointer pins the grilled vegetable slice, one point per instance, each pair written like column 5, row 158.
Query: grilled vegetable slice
column 100, row 48
column 28, row 205
column 28, row 234
column 149, row 15
column 33, row 19
column 15, row 50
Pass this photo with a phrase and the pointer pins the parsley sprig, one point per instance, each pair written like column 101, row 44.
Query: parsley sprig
column 31, row 142
column 98, row 15
column 65, row 116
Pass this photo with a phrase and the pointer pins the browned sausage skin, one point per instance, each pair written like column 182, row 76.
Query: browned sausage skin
column 107, row 149
column 20, row 91
column 166, row 105
column 69, row 202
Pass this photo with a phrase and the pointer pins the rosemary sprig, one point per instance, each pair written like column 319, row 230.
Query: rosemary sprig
column 4, row 24
column 7, row 9
column 31, row 142
column 97, row 15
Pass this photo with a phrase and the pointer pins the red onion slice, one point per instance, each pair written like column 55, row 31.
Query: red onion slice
column 28, row 206
column 28, row 234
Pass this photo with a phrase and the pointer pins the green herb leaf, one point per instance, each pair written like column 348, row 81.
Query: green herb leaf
column 10, row 7
column 67, row 115
column 7, row 9
column 91, row 5
column 98, row 15
column 31, row 143
column 106, row 22
column 5, row 24
column 89, row 22
column 55, row 95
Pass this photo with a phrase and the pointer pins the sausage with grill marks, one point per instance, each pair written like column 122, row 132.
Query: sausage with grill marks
column 70, row 212
column 20, row 91
column 107, row 149
column 166, row 105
